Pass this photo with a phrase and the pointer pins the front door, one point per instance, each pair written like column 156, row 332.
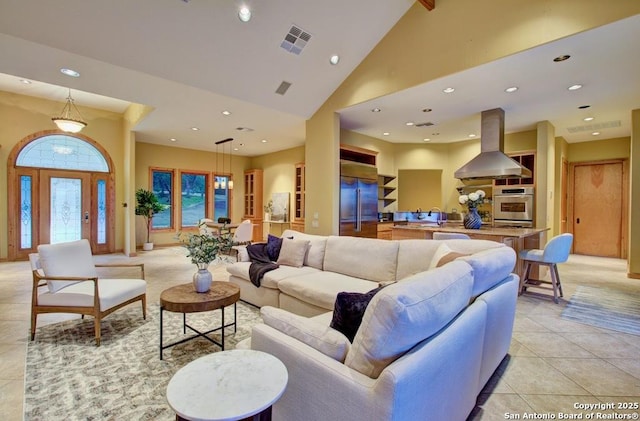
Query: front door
column 65, row 200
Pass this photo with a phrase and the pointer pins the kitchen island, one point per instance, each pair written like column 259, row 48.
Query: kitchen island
column 516, row 238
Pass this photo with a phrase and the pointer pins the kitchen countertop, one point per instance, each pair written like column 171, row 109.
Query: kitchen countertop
column 485, row 230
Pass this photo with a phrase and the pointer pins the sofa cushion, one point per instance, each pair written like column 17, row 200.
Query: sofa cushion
column 321, row 288
column 72, row 259
column 271, row 278
column 348, row 311
column 365, row 258
column 112, row 292
column 317, row 335
column 415, row 256
column 441, row 251
column 405, row 313
column 490, row 267
column 292, row 252
column 317, row 246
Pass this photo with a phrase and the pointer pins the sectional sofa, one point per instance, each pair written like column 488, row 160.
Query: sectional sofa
column 428, row 342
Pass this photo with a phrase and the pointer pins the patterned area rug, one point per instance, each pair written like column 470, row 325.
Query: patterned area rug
column 69, row 378
column 605, row 308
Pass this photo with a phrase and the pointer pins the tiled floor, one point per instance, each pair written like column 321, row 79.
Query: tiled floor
column 553, row 364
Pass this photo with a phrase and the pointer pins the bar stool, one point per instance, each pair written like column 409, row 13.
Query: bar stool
column 556, row 251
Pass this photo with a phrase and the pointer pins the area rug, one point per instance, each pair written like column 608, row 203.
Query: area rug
column 69, row 378
column 605, row 308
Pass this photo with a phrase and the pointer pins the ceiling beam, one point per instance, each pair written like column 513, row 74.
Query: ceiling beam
column 429, row 4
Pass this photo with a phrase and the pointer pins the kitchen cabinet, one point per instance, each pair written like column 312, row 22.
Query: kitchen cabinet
column 384, row 230
column 527, row 160
column 253, row 180
column 386, row 190
column 298, row 198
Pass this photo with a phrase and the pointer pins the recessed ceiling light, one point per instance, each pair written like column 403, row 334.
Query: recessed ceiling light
column 385, row 134
column 69, row 72
column 195, row 129
column 574, row 87
column 582, row 107
column 244, row 14
column 264, row 141
column 235, row 149
column 435, row 134
column 472, row 135
column 25, row 81
column 448, row 90
column 376, row 110
column 426, row 140
column 244, row 129
column 334, row 59
column 426, row 110
column 561, row 58
column 409, row 123
column 225, row 112
column 511, row 89
column 173, row 139
column 588, row 119
column 595, row 133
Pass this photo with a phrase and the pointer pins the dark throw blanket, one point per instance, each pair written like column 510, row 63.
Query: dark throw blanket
column 260, row 262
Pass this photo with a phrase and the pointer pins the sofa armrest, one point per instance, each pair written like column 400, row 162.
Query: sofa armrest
column 313, row 374
column 124, row 265
column 438, row 378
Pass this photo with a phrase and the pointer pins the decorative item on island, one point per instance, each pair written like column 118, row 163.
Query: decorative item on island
column 472, row 219
column 204, row 249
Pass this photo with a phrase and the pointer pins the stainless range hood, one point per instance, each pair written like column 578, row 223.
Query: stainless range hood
column 492, row 163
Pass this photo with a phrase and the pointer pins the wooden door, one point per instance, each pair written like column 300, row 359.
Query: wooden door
column 597, row 209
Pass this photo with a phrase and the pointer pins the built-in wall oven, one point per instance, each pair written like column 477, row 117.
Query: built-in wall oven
column 513, row 206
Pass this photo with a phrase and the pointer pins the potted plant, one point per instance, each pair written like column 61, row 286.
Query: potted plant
column 204, row 249
column 147, row 205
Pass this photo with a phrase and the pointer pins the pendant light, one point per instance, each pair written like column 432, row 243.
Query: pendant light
column 223, row 183
column 216, row 183
column 66, row 122
column 230, row 168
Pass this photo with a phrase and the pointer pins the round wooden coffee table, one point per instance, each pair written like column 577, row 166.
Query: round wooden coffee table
column 184, row 299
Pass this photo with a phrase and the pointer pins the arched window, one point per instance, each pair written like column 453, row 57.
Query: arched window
column 62, row 152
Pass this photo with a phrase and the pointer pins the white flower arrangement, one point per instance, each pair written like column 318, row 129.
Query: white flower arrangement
column 472, row 200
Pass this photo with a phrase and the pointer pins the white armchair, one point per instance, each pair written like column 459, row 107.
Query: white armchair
column 65, row 280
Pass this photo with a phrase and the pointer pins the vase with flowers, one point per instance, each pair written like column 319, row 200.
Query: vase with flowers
column 472, row 219
column 203, row 249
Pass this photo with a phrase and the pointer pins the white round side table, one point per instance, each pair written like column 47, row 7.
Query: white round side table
column 227, row 385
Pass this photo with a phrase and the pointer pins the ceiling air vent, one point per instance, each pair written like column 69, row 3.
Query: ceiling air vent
column 295, row 40
column 595, row 126
column 282, row 89
column 427, row 124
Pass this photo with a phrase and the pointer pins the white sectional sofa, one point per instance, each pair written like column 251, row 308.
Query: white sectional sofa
column 426, row 347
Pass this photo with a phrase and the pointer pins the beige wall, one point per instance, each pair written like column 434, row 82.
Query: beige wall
column 634, row 197
column 419, row 189
column 279, row 173
column 22, row 115
column 151, row 155
column 599, row 150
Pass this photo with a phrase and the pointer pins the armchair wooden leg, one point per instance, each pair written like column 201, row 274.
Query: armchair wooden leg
column 144, row 307
column 96, row 326
column 34, row 319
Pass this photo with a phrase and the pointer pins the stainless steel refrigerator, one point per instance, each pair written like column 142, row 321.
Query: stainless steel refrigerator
column 358, row 200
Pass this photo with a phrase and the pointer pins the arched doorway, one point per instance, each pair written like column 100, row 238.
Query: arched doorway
column 60, row 188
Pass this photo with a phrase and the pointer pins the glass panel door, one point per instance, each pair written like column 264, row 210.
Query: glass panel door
column 66, row 206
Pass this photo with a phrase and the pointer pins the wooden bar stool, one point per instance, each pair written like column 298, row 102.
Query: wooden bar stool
column 556, row 251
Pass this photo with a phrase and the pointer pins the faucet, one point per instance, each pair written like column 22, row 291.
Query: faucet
column 440, row 221
column 419, row 214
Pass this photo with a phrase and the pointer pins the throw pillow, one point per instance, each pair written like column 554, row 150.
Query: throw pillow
column 292, row 252
column 348, row 311
column 273, row 247
column 441, row 251
column 318, row 336
column 449, row 257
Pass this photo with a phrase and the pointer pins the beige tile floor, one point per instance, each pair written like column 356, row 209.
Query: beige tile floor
column 553, row 364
